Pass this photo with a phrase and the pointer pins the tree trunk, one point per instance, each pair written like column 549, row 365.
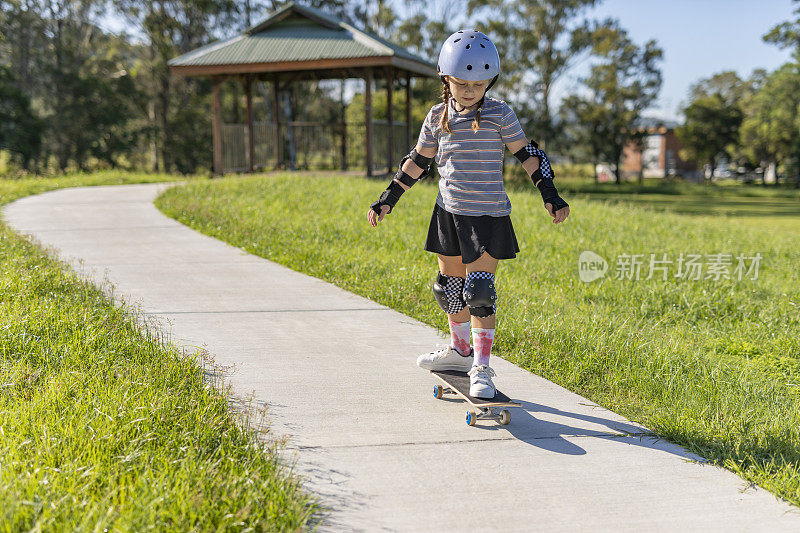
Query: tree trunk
column 711, row 175
column 546, row 115
column 151, row 113
column 164, row 111
column 61, row 145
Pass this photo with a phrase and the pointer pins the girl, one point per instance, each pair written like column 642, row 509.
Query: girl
column 470, row 229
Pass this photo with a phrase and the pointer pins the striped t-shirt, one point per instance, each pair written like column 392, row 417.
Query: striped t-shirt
column 471, row 163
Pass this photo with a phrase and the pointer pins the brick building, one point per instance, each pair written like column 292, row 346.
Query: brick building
column 660, row 157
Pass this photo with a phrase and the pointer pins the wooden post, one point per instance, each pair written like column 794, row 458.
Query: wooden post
column 216, row 126
column 344, row 125
column 251, row 152
column 368, row 120
column 389, row 118
column 277, row 116
column 411, row 142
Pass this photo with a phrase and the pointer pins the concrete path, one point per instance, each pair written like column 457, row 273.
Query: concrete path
column 339, row 376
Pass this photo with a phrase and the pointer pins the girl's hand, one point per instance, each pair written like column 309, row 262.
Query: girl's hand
column 371, row 216
column 560, row 215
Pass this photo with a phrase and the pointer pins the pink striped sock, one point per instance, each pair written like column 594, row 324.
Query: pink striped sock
column 482, row 339
column 459, row 336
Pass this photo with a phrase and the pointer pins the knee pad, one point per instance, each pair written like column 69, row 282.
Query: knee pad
column 448, row 291
column 479, row 294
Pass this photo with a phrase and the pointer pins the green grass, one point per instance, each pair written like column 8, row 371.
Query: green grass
column 768, row 208
column 106, row 425
column 711, row 365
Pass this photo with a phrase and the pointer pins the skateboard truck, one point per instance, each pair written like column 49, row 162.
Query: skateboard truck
column 457, row 383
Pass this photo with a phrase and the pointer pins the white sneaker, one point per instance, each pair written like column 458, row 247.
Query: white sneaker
column 480, row 382
column 446, row 358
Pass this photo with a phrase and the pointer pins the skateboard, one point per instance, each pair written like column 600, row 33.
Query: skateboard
column 455, row 382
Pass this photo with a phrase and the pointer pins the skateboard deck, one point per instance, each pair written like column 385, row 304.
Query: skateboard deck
column 455, row 382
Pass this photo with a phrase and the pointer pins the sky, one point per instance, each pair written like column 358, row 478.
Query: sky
column 699, row 38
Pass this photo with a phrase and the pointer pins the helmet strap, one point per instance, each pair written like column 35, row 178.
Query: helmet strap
column 454, row 105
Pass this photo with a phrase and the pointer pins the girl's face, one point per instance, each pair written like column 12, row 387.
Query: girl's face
column 467, row 93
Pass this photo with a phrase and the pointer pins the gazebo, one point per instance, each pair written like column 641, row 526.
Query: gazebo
column 301, row 43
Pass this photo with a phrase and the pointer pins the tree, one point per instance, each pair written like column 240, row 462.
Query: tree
column 20, row 129
column 787, row 34
column 711, row 128
column 173, row 27
column 623, row 84
column 527, row 34
column 770, row 131
column 784, row 125
column 23, row 43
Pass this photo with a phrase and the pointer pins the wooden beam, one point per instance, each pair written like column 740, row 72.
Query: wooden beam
column 368, row 120
column 389, row 119
column 251, row 152
column 216, row 126
column 411, row 142
column 310, row 67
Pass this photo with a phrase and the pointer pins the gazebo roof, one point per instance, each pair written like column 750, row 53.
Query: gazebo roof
column 299, row 38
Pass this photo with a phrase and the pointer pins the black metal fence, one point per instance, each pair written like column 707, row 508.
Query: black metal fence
column 313, row 145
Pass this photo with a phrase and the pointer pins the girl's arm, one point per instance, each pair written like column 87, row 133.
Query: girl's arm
column 411, row 168
column 555, row 205
column 532, row 163
column 396, row 187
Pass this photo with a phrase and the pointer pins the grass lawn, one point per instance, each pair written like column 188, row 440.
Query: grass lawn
column 712, row 364
column 106, row 426
column 767, row 208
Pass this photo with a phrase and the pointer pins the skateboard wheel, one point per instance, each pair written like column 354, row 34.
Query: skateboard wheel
column 471, row 417
column 437, row 391
column 505, row 417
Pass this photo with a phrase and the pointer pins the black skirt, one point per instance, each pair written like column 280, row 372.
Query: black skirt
column 470, row 236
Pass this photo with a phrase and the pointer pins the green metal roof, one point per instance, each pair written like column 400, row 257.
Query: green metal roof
column 299, row 33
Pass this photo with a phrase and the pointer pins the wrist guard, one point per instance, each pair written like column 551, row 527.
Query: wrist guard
column 388, row 197
column 545, row 171
column 548, row 190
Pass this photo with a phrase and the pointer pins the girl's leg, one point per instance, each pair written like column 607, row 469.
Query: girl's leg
column 451, row 265
column 483, row 327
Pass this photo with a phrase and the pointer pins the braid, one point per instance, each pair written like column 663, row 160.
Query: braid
column 476, row 123
column 444, row 120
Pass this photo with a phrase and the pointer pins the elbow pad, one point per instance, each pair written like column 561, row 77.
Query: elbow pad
column 424, row 163
column 421, row 161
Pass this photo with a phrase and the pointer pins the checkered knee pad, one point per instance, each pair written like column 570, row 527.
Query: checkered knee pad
column 480, row 275
column 453, row 288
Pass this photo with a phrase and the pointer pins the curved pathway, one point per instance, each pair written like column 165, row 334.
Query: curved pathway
column 338, row 374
